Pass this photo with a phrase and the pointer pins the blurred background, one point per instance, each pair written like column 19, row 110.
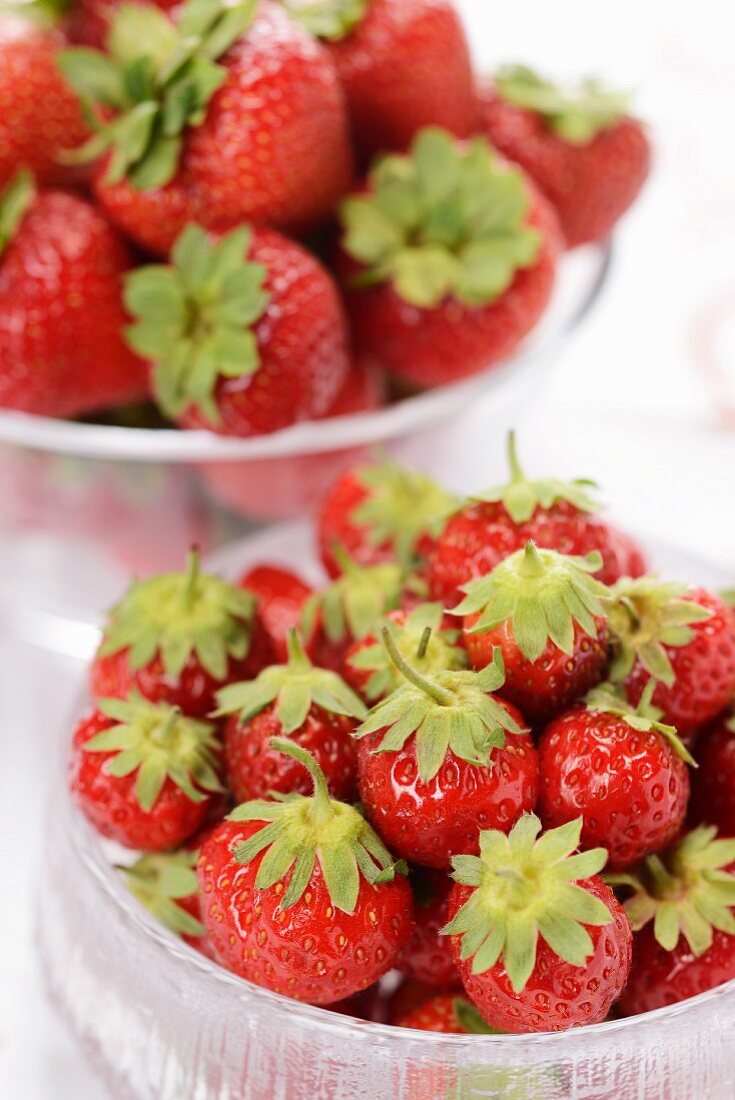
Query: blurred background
column 643, row 401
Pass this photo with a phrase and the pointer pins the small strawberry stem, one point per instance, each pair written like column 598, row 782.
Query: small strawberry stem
column 532, row 565
column 438, row 694
column 343, row 559
column 516, row 472
column 321, row 809
column 164, row 733
column 297, row 656
column 192, row 576
column 424, row 643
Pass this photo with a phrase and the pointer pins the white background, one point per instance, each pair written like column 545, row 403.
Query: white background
column 640, row 402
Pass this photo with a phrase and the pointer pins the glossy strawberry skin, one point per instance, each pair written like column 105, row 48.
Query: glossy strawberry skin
column 659, row 977
column 254, row 768
column 592, row 185
column 542, row 688
column 62, row 351
column 273, row 148
column 311, row 951
column 432, row 347
column 39, row 113
column 428, row 823
column 428, row 955
column 109, row 802
column 281, row 596
column 435, row 1015
column 704, row 670
column 713, row 783
column 558, row 995
column 89, row 20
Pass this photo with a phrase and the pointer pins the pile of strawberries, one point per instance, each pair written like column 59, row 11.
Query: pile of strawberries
column 255, row 213
column 492, row 754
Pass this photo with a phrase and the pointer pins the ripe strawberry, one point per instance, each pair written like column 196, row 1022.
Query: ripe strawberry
column 250, row 125
column 588, row 156
column 245, row 335
column 544, row 611
column 300, row 895
column 90, row 20
column 621, row 769
column 177, row 638
column 280, row 596
column 556, row 515
column 540, row 941
column 410, row 995
column 713, row 783
column 388, row 54
column 420, row 637
column 166, row 884
column 62, row 352
column 428, row 957
column 380, row 512
column 39, row 112
column 144, row 774
column 684, row 639
column 435, row 765
column 448, row 260
column 683, row 912
column 448, row 1014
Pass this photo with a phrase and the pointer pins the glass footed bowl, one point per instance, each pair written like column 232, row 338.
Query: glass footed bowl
column 160, row 1022
column 82, row 506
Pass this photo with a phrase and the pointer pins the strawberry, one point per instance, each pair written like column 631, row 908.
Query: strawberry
column 166, row 884
column 380, row 512
column 448, row 1014
column 540, row 941
column 245, row 335
column 233, row 114
column 39, row 112
column 410, row 995
column 301, row 896
column 177, row 638
column 683, row 638
column 713, row 784
column 556, row 515
column 428, row 955
column 544, row 611
column 435, row 765
column 313, row 706
column 621, row 769
column 280, row 596
column 587, row 155
column 61, row 309
column 682, row 909
column 90, row 20
column 448, row 260
column 388, row 54
column 420, row 637
column 144, row 774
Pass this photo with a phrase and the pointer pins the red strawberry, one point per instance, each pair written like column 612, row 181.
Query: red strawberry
column 428, row 955
column 39, row 112
column 684, row 639
column 246, row 335
column 448, row 1014
column 543, row 610
column 621, row 769
column 177, row 638
column 380, row 512
column 540, row 941
column 89, row 20
column 556, row 515
column 388, row 54
column 166, row 884
column 300, row 896
column 144, row 774
column 313, row 706
column 713, row 784
column 448, row 260
column 683, row 911
column 62, row 351
column 435, row 765
column 259, row 131
column 582, row 149
column 410, row 995
column 281, row 596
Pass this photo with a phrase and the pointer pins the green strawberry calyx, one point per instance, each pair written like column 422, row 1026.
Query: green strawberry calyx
column 351, row 605
column 420, row 640
column 444, row 711
column 155, row 80
column 525, row 885
column 575, row 114
column 299, row 831
column 541, row 594
column 400, row 507
column 177, row 615
column 521, row 496
column 332, row 20
column 159, row 881
column 646, row 718
column 195, row 318
column 15, row 201
column 157, row 742
column 687, row 891
column 646, row 616
column 448, row 219
column 295, row 688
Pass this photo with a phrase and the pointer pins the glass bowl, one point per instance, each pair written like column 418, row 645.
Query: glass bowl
column 160, row 1022
column 82, row 506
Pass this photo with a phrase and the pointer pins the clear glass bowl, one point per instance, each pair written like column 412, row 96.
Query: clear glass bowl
column 160, row 1022
column 82, row 506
